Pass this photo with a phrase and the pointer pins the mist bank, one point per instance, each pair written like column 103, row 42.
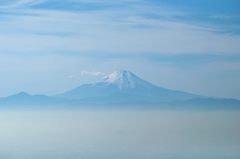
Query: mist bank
column 203, row 105
column 126, row 134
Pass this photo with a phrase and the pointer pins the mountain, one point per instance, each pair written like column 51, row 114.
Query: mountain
column 121, row 89
column 124, row 87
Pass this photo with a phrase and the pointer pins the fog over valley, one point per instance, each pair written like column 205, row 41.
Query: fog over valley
column 118, row 134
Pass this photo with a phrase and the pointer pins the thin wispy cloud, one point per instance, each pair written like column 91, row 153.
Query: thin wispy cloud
column 19, row 4
column 129, row 29
column 220, row 16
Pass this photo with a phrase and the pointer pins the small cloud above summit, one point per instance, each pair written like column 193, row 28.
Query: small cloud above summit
column 70, row 77
column 93, row 73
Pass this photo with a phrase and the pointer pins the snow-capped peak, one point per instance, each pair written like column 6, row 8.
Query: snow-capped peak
column 124, row 79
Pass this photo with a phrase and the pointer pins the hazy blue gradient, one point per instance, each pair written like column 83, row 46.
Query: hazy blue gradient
column 185, row 45
column 52, row 46
column 93, row 134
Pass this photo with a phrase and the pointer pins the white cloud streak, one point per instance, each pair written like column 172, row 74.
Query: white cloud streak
column 220, row 16
column 93, row 73
column 71, row 77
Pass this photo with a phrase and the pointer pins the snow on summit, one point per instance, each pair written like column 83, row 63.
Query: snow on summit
column 124, row 79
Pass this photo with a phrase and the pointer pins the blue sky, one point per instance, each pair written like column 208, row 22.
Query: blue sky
column 51, row 46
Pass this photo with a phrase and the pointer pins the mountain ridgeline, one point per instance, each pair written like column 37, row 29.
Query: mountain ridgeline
column 122, row 88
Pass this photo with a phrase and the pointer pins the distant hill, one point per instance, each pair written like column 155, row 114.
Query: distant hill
column 25, row 98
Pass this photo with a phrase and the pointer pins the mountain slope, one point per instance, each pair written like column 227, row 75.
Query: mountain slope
column 124, row 86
